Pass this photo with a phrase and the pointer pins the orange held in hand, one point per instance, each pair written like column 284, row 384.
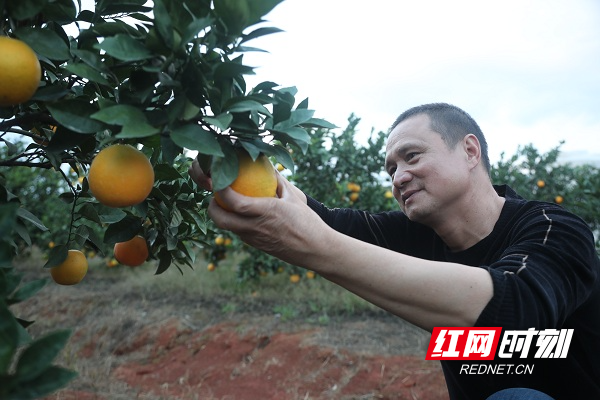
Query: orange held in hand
column 121, row 176
column 72, row 270
column 20, row 72
column 256, row 178
column 133, row 252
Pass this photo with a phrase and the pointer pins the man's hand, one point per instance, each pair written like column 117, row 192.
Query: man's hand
column 202, row 178
column 284, row 226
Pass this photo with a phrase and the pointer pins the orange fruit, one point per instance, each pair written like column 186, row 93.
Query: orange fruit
column 558, row 199
column 112, row 263
column 294, row 278
column 353, row 196
column 388, row 194
column 541, row 183
column 120, row 176
column 20, row 72
column 353, row 187
column 280, row 167
column 72, row 270
column 133, row 252
column 211, row 267
column 310, row 274
column 256, row 178
column 219, row 240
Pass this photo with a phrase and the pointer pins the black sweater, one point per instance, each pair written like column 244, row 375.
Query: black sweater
column 546, row 274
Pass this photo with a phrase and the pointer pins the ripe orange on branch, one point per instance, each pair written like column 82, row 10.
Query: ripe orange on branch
column 72, row 270
column 133, row 252
column 20, row 72
column 121, row 176
column 256, row 178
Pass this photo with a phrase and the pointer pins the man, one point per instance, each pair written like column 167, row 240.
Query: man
column 461, row 253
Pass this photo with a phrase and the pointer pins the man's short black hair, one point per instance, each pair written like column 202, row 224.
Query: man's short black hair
column 452, row 123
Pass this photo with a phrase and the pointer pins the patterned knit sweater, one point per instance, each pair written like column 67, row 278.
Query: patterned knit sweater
column 545, row 272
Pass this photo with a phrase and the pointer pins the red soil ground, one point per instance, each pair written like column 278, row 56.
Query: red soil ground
column 219, row 362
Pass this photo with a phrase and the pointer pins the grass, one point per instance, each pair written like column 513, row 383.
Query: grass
column 114, row 312
column 315, row 298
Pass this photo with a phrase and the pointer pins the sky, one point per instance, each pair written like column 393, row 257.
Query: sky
column 526, row 71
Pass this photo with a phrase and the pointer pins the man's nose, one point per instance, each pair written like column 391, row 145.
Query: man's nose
column 401, row 178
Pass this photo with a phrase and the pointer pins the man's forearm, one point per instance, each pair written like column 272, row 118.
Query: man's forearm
column 425, row 293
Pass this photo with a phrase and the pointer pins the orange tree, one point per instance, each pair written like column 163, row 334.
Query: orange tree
column 540, row 176
column 166, row 77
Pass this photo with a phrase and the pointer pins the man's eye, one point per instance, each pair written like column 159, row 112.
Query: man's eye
column 410, row 156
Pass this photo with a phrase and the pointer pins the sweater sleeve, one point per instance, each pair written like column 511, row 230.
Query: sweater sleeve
column 390, row 229
column 549, row 269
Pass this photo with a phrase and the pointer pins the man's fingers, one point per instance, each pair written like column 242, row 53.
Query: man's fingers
column 244, row 205
column 199, row 176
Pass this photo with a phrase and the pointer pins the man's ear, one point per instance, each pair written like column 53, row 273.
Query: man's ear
column 472, row 149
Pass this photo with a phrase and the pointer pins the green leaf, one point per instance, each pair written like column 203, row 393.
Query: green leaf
column 124, row 47
column 164, row 261
column 162, row 22
column 259, row 32
column 132, row 119
column 8, row 217
column 109, row 215
column 166, row 172
column 22, row 10
column 221, row 121
column 224, row 170
column 57, row 255
column 122, row 7
column 75, row 115
column 112, row 28
column 45, row 42
column 319, row 123
column 284, row 157
column 87, row 72
column 10, row 280
column 122, row 230
column 51, row 93
column 24, row 336
column 39, row 355
column 234, row 13
column 49, row 380
column 27, row 290
column 260, row 8
column 27, row 216
column 232, row 69
column 21, row 230
column 245, row 106
column 8, row 337
column 194, row 27
column 89, row 212
column 92, row 59
column 297, row 117
column 297, row 135
column 62, row 11
column 193, row 137
column 65, row 139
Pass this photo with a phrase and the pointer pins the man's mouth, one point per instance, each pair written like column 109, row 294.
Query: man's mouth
column 407, row 195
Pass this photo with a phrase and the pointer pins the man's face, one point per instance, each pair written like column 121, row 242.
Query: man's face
column 427, row 176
